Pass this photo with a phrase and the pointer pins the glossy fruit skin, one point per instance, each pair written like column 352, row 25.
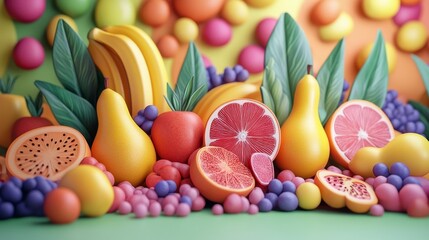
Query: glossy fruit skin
column 304, row 145
column 62, row 206
column 15, row 107
column 176, row 134
column 92, row 187
column 120, row 144
column 26, row 124
column 412, row 149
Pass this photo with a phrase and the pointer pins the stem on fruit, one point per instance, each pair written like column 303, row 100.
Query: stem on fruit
column 309, row 67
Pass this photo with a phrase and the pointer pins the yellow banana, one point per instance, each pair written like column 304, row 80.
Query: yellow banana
column 154, row 61
column 232, row 92
column 135, row 66
column 114, row 73
column 210, row 96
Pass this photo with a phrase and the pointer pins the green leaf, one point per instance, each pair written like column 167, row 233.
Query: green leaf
column 371, row 81
column 273, row 94
column 35, row 106
column 70, row 109
column 423, row 70
column 73, row 64
column 289, row 48
column 6, row 84
column 331, row 80
column 191, row 84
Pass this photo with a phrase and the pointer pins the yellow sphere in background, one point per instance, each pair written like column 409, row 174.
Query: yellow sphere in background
column 235, row 12
column 309, row 196
column 260, row 3
column 391, row 55
column 412, row 36
column 338, row 29
column 380, row 9
column 52, row 26
column 114, row 12
column 185, row 30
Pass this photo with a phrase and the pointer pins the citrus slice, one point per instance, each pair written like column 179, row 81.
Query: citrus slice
column 217, row 173
column 46, row 151
column 356, row 124
column 262, row 168
column 244, row 126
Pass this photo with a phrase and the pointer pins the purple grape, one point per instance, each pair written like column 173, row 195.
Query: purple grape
column 43, row 185
column 216, row 81
column 34, row 200
column 21, row 210
column 185, row 199
column 28, row 185
column 265, row 205
column 272, row 197
column 242, row 76
column 6, row 210
column 172, row 187
column 275, row 186
column 380, row 169
column 147, row 126
column 162, row 188
column 287, row 201
column 139, row 119
column 229, row 75
column 16, row 181
column 411, row 180
column 150, row 112
column 10, row 193
column 238, row 68
column 289, row 186
column 395, row 180
column 400, row 169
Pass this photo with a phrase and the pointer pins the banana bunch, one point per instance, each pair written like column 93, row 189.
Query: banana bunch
column 131, row 64
column 224, row 93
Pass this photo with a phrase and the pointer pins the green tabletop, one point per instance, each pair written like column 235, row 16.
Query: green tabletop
column 318, row 224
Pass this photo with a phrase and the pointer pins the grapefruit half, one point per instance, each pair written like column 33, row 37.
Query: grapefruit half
column 244, row 127
column 262, row 168
column 217, row 173
column 356, row 124
column 46, row 151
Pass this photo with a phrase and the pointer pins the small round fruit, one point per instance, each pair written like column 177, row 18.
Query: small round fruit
column 168, row 46
column 114, row 12
column 380, row 9
column 340, row 28
column 154, row 12
column 74, row 8
column 251, row 58
column 217, row 32
column 52, row 26
column 412, row 36
column 259, row 3
column 264, row 30
column 309, row 196
column 185, row 30
column 25, row 11
column 28, row 53
column 92, row 187
column 325, row 12
column 62, row 206
column 235, row 12
column 198, row 10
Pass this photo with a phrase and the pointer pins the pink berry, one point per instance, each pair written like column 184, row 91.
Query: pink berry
column 376, row 210
column 183, row 188
column 370, row 181
column 169, row 210
column 216, row 32
column 119, row 197
column 253, row 209
column 409, row 193
column 298, row 181
column 28, row 53
column 100, row 166
column 335, row 169
column 128, row 190
column 251, row 58
column 138, row 199
column 378, row 181
column 193, row 193
column 182, row 167
column 418, row 208
column 256, row 195
column 140, row 210
column 110, row 176
column 89, row 161
column 285, row 175
column 217, row 209
column 388, row 197
column 155, row 209
column 244, row 204
column 170, row 199
column 125, row 208
column 183, row 210
column 198, row 204
column 151, row 194
column 233, row 203
column 264, row 29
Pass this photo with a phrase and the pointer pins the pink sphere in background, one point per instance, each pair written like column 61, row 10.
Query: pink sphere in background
column 25, row 10
column 216, row 32
column 407, row 13
column 264, row 29
column 251, row 58
column 28, row 53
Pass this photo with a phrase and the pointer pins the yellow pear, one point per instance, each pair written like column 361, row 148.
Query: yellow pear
column 120, row 144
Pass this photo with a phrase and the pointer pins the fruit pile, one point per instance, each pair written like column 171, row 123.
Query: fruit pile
column 141, row 145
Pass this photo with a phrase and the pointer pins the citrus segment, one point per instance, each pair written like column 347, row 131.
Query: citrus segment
column 262, row 168
column 244, row 126
column 217, row 173
column 356, row 124
column 47, row 151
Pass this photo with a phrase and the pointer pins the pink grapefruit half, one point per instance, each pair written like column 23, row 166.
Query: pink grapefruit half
column 354, row 125
column 262, row 168
column 244, row 126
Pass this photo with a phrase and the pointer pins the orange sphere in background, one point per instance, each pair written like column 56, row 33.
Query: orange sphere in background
column 154, row 12
column 168, row 46
column 198, row 10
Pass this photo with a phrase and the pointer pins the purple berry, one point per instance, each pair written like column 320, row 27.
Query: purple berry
column 28, row 184
column 289, row 186
column 380, row 169
column 172, row 187
column 147, row 126
column 34, row 200
column 395, row 180
column 6, row 210
column 21, row 210
column 400, row 169
column 265, row 205
column 10, row 193
column 238, row 68
column 16, row 181
column 229, row 75
column 275, row 186
column 150, row 112
column 410, row 180
column 185, row 199
column 139, row 119
column 43, row 185
column 242, row 76
column 162, row 188
column 287, row 201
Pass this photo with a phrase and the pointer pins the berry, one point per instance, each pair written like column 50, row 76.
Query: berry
column 6, row 210
column 145, row 117
column 287, row 201
column 275, row 186
column 230, row 74
column 380, row 169
column 186, row 199
column 410, row 180
column 272, row 197
column 34, row 200
column 162, row 188
column 289, row 186
column 400, row 169
column 150, row 112
column 10, row 193
column 395, row 180
column 265, row 205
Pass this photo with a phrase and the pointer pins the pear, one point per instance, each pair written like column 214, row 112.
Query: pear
column 120, row 144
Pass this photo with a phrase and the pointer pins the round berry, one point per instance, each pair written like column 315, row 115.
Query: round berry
column 150, row 112
column 287, row 201
column 272, row 197
column 139, row 119
column 28, row 185
column 229, row 75
column 34, row 200
column 395, row 180
column 400, row 169
column 162, row 188
column 289, row 186
column 410, row 180
column 10, row 193
column 172, row 187
column 380, row 169
column 242, row 76
column 185, row 199
column 265, row 205
column 275, row 186
column 6, row 210
column 217, row 209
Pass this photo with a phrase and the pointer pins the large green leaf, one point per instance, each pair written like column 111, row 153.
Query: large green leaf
column 331, row 80
column 371, row 81
column 191, row 84
column 73, row 64
column 290, row 50
column 70, row 109
column 423, row 70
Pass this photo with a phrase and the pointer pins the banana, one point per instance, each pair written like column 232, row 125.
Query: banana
column 112, row 69
column 230, row 91
column 154, row 61
column 135, row 66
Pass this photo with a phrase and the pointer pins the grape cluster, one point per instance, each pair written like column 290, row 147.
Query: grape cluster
column 397, row 175
column 404, row 117
column 24, row 198
column 145, row 118
column 230, row 74
column 280, row 195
